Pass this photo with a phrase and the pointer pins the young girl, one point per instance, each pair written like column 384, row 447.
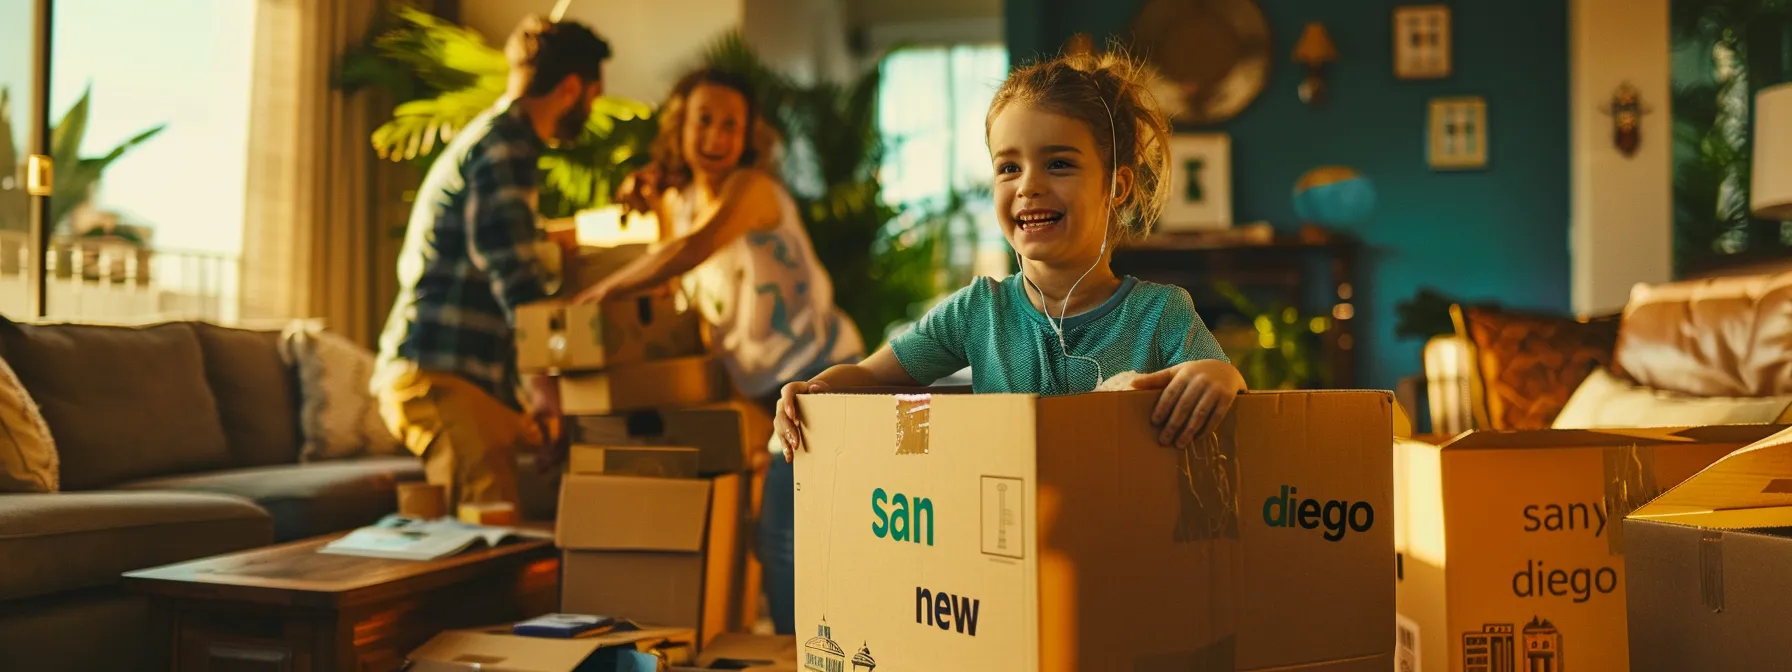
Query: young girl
column 1079, row 153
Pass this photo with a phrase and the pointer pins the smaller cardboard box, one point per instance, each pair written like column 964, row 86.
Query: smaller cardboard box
column 655, row 550
column 1511, row 552
column 496, row 650
column 554, row 336
column 592, row 263
column 721, row 433
column 650, row 461
column 1709, row 587
column 666, row 383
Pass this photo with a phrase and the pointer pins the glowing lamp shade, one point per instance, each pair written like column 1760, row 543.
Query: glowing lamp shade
column 1771, row 191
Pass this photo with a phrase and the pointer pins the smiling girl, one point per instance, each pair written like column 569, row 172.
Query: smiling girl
column 1078, row 152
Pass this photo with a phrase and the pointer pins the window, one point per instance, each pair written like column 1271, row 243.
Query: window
column 931, row 109
column 156, row 232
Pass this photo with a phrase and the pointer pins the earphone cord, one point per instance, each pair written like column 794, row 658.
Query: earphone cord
column 1107, row 220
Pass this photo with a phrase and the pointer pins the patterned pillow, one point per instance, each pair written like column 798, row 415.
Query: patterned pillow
column 1530, row 364
column 338, row 416
column 28, row 459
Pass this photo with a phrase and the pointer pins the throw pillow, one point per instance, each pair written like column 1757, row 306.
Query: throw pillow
column 338, row 416
column 1530, row 364
column 27, row 452
column 1605, row 400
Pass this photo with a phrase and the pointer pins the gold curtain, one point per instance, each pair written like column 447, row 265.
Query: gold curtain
column 320, row 202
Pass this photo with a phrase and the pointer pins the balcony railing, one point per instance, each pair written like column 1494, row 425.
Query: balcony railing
column 104, row 280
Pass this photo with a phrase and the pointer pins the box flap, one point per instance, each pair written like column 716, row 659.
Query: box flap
column 488, row 651
column 1482, row 439
column 1751, row 487
column 633, row 513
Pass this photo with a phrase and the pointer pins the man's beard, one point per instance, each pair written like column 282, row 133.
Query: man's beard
column 571, row 125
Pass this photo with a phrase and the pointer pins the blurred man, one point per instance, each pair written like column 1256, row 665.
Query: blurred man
column 446, row 375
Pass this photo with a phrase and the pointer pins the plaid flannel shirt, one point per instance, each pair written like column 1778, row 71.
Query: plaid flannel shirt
column 469, row 258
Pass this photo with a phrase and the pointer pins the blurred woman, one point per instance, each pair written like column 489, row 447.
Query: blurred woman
column 732, row 230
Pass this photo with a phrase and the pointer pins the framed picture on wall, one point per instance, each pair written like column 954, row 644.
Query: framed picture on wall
column 1422, row 42
column 1458, row 133
column 1200, row 183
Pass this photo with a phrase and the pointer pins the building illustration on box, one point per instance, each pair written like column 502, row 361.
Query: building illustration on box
column 1496, row 648
column 821, row 654
column 862, row 661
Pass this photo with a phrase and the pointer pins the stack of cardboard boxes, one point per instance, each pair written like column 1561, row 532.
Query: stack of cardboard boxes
column 656, row 486
column 1515, row 553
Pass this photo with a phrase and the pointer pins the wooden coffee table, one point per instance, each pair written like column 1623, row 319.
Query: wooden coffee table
column 288, row 608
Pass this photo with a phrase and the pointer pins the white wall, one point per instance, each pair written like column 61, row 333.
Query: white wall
column 654, row 41
column 805, row 39
column 1622, row 230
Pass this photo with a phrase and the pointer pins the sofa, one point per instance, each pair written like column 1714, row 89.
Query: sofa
column 1714, row 350
column 175, row 441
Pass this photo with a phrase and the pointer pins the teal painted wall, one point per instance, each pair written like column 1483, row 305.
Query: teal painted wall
column 1497, row 234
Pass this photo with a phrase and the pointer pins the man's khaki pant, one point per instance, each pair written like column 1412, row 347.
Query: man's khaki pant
column 467, row 439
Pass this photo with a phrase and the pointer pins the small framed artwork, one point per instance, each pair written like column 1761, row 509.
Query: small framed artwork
column 1422, row 42
column 1458, row 133
column 1200, row 183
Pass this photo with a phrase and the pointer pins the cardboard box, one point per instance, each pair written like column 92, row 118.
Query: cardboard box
column 747, row 653
column 1709, row 587
column 496, row 650
column 1511, row 552
column 663, row 551
column 719, row 432
column 651, row 461
column 593, row 263
column 685, row 381
column 1014, row 532
column 554, row 336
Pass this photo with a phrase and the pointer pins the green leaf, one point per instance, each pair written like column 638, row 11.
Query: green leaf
column 65, row 139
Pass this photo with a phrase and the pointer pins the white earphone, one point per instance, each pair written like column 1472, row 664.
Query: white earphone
column 1106, row 227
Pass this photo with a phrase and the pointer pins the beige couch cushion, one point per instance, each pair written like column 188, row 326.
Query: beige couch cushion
column 1714, row 337
column 27, row 453
column 257, row 394
column 123, row 402
column 308, row 499
column 62, row 541
column 1605, row 400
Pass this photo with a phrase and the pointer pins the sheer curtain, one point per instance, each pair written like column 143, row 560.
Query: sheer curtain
column 319, row 200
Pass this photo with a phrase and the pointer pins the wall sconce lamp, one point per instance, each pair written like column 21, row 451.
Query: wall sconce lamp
column 1314, row 50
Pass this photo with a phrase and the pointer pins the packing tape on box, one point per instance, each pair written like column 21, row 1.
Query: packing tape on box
column 913, row 412
column 1629, row 483
column 1711, row 569
column 1209, row 493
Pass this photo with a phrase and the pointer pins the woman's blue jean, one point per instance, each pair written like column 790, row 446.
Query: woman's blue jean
column 777, row 549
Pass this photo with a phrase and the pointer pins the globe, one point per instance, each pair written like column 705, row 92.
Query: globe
column 1334, row 195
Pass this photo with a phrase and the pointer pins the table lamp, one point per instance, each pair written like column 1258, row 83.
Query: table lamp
column 1771, row 191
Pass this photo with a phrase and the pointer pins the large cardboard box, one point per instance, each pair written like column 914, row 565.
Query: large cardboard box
column 1511, row 552
column 684, row 381
column 1708, row 563
column 556, row 336
column 662, row 551
column 722, row 433
column 1013, row 532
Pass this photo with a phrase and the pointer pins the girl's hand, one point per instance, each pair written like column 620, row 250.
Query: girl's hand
column 787, row 425
column 1196, row 397
column 639, row 191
